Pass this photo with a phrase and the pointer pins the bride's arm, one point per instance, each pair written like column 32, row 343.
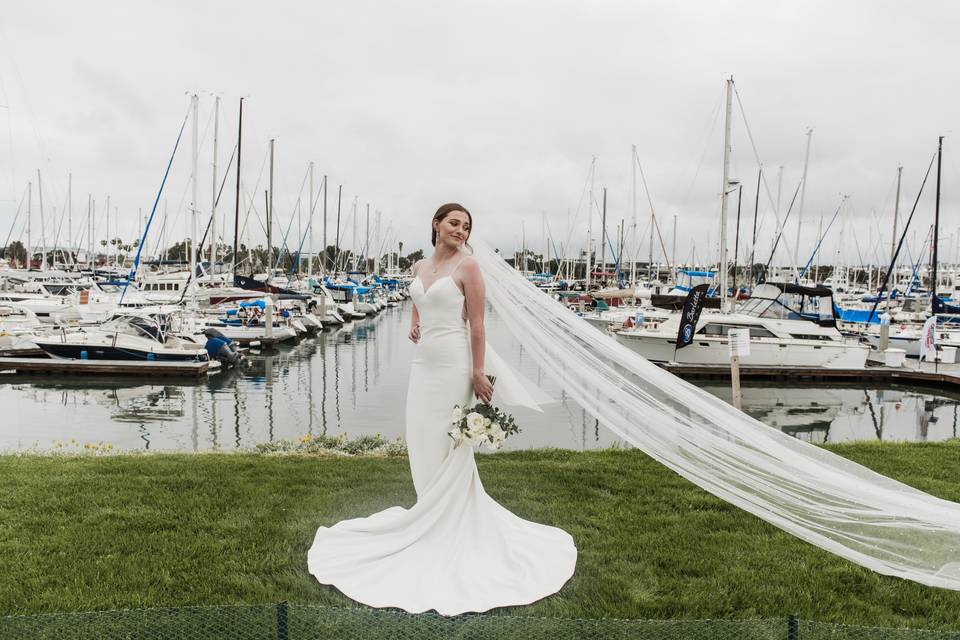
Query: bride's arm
column 474, row 291
column 414, row 334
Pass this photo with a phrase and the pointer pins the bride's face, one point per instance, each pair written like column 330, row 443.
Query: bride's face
column 454, row 229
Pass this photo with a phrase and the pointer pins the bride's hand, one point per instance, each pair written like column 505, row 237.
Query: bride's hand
column 414, row 333
column 482, row 387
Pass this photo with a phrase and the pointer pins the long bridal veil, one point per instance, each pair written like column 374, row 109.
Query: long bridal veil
column 818, row 496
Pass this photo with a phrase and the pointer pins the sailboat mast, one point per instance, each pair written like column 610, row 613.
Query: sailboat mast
column 93, row 229
column 593, row 173
column 633, row 171
column 673, row 250
column 803, row 190
column 603, row 236
column 736, row 243
column 620, row 248
column 336, row 253
column 213, row 191
column 194, row 107
column 896, row 214
column 324, row 267
column 236, row 204
column 753, row 236
column 29, row 225
column 723, row 198
column 270, row 215
column 310, row 227
column 893, row 240
column 106, row 247
column 934, row 300
column 43, row 230
column 70, row 215
column 377, row 244
column 89, row 229
column 353, row 243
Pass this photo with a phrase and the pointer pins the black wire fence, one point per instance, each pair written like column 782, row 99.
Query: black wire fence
column 282, row 621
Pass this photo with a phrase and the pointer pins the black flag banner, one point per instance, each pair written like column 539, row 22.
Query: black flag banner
column 690, row 314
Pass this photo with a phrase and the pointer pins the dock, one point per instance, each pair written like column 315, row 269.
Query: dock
column 54, row 366
column 944, row 377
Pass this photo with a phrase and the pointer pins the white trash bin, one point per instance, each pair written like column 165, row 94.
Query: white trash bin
column 894, row 357
column 948, row 355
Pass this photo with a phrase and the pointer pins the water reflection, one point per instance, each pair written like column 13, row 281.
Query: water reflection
column 832, row 413
column 354, row 380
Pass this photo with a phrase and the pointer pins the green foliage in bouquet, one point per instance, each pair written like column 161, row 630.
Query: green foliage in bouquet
column 482, row 424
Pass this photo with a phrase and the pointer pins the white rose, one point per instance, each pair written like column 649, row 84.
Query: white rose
column 486, row 422
column 475, row 422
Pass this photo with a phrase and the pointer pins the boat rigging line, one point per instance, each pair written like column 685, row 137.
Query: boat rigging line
column 903, row 237
column 153, row 210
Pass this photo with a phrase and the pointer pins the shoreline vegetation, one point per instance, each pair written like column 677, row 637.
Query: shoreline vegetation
column 86, row 529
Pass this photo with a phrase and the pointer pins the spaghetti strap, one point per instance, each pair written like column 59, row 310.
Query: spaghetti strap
column 459, row 262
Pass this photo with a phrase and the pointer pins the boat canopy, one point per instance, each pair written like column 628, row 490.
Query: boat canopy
column 138, row 324
column 789, row 301
column 346, row 286
column 773, row 290
column 859, row 316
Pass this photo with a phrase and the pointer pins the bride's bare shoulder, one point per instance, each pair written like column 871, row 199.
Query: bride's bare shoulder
column 470, row 268
column 416, row 266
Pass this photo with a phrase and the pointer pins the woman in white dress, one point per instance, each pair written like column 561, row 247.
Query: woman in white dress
column 456, row 550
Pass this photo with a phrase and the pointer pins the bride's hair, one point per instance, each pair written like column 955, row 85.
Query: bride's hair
column 442, row 213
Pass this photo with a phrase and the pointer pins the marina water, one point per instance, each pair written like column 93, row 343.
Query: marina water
column 353, row 381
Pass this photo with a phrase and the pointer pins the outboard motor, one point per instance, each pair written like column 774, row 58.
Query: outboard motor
column 222, row 348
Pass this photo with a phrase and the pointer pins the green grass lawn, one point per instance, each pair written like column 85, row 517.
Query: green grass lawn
column 132, row 531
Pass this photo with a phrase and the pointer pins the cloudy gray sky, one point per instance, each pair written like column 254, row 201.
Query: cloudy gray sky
column 497, row 105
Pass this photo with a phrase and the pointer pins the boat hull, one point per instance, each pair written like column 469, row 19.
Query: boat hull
column 715, row 351
column 107, row 352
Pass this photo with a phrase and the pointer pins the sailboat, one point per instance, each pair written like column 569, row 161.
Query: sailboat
column 789, row 325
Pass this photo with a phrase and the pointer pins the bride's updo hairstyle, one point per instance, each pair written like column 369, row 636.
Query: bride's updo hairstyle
column 442, row 213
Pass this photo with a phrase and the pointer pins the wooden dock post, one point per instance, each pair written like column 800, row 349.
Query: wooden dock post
column 739, row 342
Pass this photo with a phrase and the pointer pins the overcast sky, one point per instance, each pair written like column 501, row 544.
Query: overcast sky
column 497, row 105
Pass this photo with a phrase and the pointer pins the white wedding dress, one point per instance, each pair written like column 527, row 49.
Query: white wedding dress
column 456, row 550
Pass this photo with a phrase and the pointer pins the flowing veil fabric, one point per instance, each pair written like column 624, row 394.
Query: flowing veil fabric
column 816, row 495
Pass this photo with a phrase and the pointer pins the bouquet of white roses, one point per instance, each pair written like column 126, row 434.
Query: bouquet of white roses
column 481, row 424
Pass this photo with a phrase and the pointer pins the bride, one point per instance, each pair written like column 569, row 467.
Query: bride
column 456, row 550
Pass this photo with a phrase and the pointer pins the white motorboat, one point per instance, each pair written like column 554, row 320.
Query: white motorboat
column 127, row 336
column 789, row 325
